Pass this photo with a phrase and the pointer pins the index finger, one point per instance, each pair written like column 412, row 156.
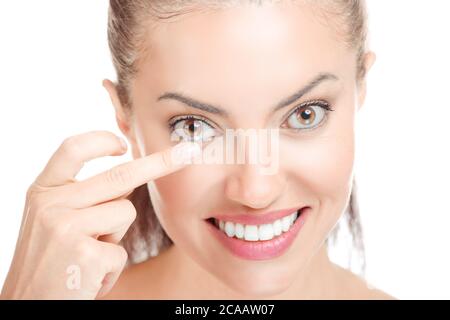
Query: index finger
column 125, row 177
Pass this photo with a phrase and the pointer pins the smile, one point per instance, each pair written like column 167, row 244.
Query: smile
column 250, row 232
column 245, row 238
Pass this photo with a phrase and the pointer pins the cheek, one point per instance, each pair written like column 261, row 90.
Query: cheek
column 325, row 165
column 321, row 169
column 184, row 198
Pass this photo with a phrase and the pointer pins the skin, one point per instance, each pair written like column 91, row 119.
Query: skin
column 68, row 222
column 208, row 57
column 68, row 241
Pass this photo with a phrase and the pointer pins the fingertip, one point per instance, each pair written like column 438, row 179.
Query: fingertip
column 105, row 83
column 184, row 152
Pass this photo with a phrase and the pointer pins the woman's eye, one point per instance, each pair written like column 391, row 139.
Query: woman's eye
column 307, row 116
column 190, row 129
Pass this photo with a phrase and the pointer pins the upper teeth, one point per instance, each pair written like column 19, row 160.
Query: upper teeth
column 257, row 232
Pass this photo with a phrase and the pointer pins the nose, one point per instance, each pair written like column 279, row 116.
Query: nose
column 249, row 187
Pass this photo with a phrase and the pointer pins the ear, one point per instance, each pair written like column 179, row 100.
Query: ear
column 122, row 118
column 368, row 61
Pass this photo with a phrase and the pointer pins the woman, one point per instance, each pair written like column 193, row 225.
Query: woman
column 190, row 71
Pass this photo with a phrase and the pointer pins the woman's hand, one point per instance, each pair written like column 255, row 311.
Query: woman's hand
column 68, row 242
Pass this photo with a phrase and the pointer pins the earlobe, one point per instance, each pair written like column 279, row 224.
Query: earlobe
column 369, row 60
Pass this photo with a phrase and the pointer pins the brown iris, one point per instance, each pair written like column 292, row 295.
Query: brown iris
column 191, row 127
column 306, row 115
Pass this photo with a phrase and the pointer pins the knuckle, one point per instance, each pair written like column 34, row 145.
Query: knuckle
column 71, row 146
column 31, row 196
column 122, row 254
column 56, row 224
column 35, row 192
column 130, row 209
column 85, row 252
column 119, row 176
column 38, row 203
column 115, row 258
column 106, row 134
column 31, row 192
column 40, row 208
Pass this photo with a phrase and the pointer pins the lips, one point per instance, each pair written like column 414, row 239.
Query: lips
column 247, row 246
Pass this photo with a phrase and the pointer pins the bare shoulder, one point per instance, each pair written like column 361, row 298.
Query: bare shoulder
column 356, row 288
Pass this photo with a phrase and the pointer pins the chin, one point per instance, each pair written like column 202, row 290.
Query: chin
column 259, row 285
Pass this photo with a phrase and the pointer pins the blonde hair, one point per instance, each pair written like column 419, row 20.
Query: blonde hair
column 129, row 22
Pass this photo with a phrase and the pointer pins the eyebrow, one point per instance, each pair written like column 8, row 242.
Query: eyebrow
column 220, row 111
column 300, row 93
column 193, row 103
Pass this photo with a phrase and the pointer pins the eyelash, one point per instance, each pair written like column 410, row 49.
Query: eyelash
column 173, row 122
column 317, row 102
column 320, row 103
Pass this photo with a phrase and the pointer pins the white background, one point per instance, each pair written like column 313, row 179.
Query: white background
column 54, row 56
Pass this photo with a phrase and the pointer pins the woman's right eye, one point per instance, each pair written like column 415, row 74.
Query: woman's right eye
column 192, row 129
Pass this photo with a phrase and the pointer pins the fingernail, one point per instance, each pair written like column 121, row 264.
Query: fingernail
column 184, row 152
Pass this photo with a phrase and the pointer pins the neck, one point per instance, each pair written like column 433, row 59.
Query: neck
column 191, row 281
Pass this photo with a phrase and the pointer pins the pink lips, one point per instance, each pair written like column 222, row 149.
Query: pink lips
column 260, row 250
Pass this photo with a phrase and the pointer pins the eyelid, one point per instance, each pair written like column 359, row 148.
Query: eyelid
column 174, row 120
column 317, row 102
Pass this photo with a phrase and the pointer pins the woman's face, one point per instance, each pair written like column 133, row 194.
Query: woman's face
column 246, row 60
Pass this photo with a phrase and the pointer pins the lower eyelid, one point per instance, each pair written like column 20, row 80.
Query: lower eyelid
column 321, row 123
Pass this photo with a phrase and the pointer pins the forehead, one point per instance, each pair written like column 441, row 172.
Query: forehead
column 243, row 49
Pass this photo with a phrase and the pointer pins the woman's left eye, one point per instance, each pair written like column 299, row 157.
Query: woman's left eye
column 192, row 129
column 307, row 116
